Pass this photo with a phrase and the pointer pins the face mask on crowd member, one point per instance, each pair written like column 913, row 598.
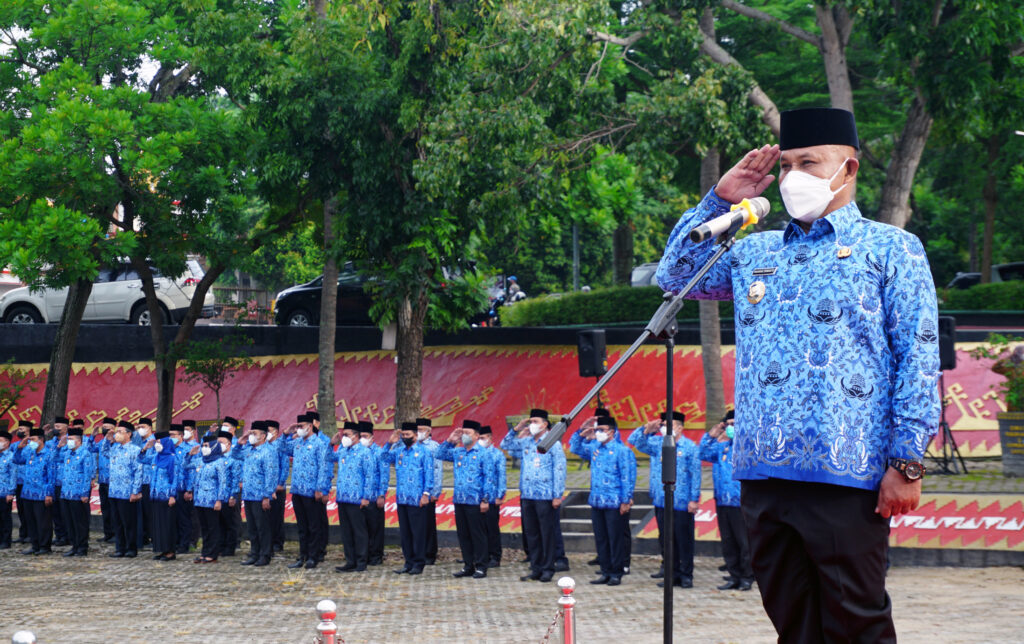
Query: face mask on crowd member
column 408, row 433
column 423, row 429
column 485, row 436
column 470, row 433
column 806, row 196
column 144, row 427
column 538, row 421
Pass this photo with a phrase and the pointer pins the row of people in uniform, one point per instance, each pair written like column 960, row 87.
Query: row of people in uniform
column 220, row 475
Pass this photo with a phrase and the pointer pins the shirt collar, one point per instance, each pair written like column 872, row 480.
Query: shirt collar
column 837, row 222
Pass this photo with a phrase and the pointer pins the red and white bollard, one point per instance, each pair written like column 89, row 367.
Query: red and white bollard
column 568, row 605
column 23, row 637
column 327, row 629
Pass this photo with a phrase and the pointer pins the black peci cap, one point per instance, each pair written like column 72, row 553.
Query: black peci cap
column 485, row 429
column 272, row 424
column 471, row 424
column 144, row 421
column 126, row 425
column 408, row 427
column 607, row 420
column 813, row 126
column 231, row 420
column 188, row 423
column 108, row 421
column 539, row 413
column 676, row 415
column 75, row 431
column 365, row 427
column 729, row 415
column 426, row 422
column 177, row 427
column 161, row 435
column 348, row 424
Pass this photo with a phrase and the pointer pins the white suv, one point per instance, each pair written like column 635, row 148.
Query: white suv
column 116, row 297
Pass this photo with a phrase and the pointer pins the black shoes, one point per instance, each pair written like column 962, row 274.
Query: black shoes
column 345, row 568
column 311, row 564
column 533, row 576
column 494, row 563
column 614, row 580
column 732, row 584
column 682, row 583
column 375, row 562
column 28, row 551
column 658, row 575
column 563, row 567
column 299, row 563
column 131, row 554
column 403, row 570
column 73, row 552
column 479, row 574
column 465, row 572
column 603, row 579
column 418, row 570
column 116, row 555
column 262, row 561
column 746, row 584
column 594, row 562
column 250, row 561
column 545, row 577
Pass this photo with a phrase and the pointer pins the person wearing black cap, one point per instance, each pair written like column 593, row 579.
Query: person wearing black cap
column 8, row 486
column 163, row 492
column 187, row 455
column 259, row 480
column 125, row 490
column 424, row 426
column 36, row 458
column 414, row 478
column 100, row 446
column 474, row 484
column 320, row 509
column 541, row 485
column 231, row 511
column 836, row 381
column 21, row 436
column 143, row 438
column 492, row 520
column 355, row 490
column 716, row 448
column 58, row 441
column 277, row 501
column 78, row 468
column 311, row 482
column 374, row 512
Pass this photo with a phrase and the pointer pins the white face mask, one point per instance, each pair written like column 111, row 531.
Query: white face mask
column 143, row 432
column 422, row 436
column 188, row 434
column 271, row 435
column 485, row 442
column 252, row 439
column 72, row 443
column 301, row 432
column 346, row 442
column 663, row 430
column 535, row 428
column 601, row 436
column 227, row 428
column 206, row 450
column 806, row 196
column 3, row 444
column 365, row 442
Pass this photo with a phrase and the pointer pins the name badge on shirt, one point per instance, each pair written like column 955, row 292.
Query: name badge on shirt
column 758, row 272
column 536, row 461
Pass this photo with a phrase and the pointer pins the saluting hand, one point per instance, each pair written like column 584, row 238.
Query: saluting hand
column 751, row 176
column 193, row 451
column 652, row 426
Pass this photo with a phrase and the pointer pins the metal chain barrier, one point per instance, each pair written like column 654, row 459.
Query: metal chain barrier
column 566, row 612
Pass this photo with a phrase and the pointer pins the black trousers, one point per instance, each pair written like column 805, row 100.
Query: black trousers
column 627, row 536
column 374, row 531
column 124, row 514
column 492, row 524
column 209, row 523
column 230, row 527
column 260, row 532
column 108, row 523
column 40, row 525
column 312, row 539
column 540, row 531
column 735, row 545
column 319, row 512
column 22, row 521
column 608, row 536
column 76, row 515
column 165, row 527
column 561, row 561
column 6, row 524
column 57, row 514
column 472, row 533
column 432, row 532
column 185, row 510
column 354, row 535
column 412, row 524
column 683, row 542
column 145, row 517
column 818, row 554
column 277, row 519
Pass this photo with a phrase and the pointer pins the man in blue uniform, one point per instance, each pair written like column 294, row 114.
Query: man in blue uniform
column 496, row 494
column 186, row 455
column 474, row 484
column 311, row 482
column 424, row 427
column 357, row 477
column 20, row 434
column 125, row 490
column 836, row 370
column 414, row 479
column 78, row 468
column 277, row 502
column 374, row 512
column 716, row 448
column 143, row 438
column 36, row 458
column 612, row 481
column 541, row 486
column 100, row 448
column 259, row 482
column 8, row 486
column 58, row 441
column 230, row 527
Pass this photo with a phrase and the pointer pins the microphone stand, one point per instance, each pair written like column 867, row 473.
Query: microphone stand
column 664, row 327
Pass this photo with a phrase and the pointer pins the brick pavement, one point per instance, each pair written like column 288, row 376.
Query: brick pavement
column 97, row 599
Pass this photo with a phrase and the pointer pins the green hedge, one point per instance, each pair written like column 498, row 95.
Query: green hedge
column 618, row 304
column 998, row 296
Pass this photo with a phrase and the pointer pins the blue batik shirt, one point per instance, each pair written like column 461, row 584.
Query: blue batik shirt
column 687, row 468
column 233, row 472
column 357, row 474
column 101, row 448
column 649, row 444
column 165, row 482
column 259, row 472
column 541, row 476
column 8, row 473
column 210, row 483
column 186, row 464
column 432, row 446
column 719, row 454
column 125, row 471
column 60, row 454
column 383, row 470
column 474, row 474
column 77, row 472
column 837, row 354
column 496, row 459
column 284, row 463
column 612, row 470
column 311, row 467
column 38, row 470
column 414, row 472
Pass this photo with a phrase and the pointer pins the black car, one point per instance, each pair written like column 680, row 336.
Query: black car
column 1000, row 273
column 300, row 305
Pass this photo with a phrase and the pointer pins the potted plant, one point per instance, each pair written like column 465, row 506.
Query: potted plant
column 1008, row 362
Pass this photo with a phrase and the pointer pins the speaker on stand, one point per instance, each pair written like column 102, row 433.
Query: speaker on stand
column 949, row 454
column 592, row 355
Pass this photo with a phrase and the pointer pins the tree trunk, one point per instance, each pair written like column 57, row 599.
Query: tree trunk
column 328, row 323
column 622, row 254
column 894, row 206
column 409, row 344
column 833, row 53
column 710, row 324
column 991, row 198
column 58, row 377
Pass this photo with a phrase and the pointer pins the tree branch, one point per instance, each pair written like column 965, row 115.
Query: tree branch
column 757, row 14
column 626, row 42
column 756, row 95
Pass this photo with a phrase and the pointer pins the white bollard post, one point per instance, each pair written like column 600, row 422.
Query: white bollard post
column 568, row 604
column 327, row 629
column 23, row 637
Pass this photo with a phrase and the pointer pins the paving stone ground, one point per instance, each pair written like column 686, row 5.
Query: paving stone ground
column 98, row 599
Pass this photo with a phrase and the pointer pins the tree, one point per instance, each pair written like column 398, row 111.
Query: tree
column 212, row 362
column 14, row 382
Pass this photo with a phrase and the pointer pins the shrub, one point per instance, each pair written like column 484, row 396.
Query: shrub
column 997, row 296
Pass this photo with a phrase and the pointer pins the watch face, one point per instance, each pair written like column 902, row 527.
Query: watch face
column 913, row 471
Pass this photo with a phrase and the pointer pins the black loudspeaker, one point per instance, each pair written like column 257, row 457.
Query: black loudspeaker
column 947, row 342
column 592, row 354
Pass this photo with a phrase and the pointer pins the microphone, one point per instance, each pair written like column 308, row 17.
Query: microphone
column 741, row 215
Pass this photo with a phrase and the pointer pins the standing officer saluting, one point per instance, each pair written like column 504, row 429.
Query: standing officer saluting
column 474, row 482
column 374, row 512
column 100, row 446
column 8, row 486
column 496, row 495
column 423, row 429
column 36, row 458
column 125, row 490
column 78, row 468
column 541, row 485
column 311, row 481
column 612, row 481
column 277, row 502
column 414, row 478
column 716, row 448
column 357, row 480
column 259, row 482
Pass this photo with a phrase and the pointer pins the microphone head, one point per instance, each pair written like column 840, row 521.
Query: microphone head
column 760, row 206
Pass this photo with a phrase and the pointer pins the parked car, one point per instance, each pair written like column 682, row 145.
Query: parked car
column 643, row 275
column 1000, row 273
column 300, row 305
column 8, row 281
column 116, row 297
